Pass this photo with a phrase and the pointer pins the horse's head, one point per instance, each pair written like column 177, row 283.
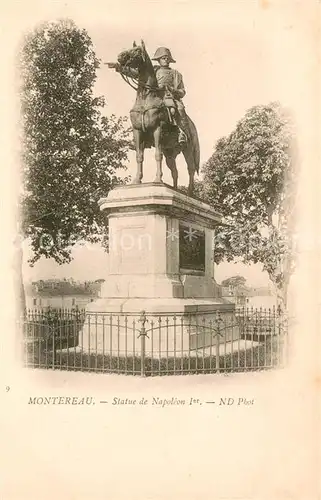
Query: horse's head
column 133, row 58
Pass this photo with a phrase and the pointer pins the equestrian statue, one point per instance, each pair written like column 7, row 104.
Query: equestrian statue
column 158, row 117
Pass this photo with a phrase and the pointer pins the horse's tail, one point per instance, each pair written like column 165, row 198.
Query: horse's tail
column 195, row 146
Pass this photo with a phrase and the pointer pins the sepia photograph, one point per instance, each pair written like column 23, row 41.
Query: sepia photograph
column 163, row 251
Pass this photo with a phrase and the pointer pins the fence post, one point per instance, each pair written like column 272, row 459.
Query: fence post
column 53, row 345
column 282, row 337
column 217, row 343
column 142, row 336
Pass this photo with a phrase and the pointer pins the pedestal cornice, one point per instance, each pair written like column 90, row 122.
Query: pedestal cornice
column 160, row 199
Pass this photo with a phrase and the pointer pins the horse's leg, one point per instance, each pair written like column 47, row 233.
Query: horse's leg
column 188, row 155
column 158, row 155
column 139, row 145
column 171, row 163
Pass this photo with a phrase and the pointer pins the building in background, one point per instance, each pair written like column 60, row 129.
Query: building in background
column 246, row 296
column 262, row 297
column 65, row 294
column 238, row 295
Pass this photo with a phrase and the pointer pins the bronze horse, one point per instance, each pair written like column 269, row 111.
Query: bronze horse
column 151, row 119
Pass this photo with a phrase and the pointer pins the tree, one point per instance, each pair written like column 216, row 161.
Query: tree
column 250, row 179
column 71, row 153
column 197, row 192
column 234, row 281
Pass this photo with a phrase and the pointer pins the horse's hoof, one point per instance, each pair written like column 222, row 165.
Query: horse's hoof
column 158, row 180
column 137, row 181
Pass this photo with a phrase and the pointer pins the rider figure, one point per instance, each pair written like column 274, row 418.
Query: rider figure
column 171, row 81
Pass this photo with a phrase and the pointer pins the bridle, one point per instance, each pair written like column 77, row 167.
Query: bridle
column 134, row 82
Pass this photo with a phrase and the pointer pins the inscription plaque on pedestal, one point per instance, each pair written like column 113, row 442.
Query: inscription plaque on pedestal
column 191, row 249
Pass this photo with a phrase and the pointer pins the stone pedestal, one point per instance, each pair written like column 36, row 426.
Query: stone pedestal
column 160, row 261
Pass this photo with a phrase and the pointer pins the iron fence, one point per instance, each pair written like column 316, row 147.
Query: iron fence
column 156, row 344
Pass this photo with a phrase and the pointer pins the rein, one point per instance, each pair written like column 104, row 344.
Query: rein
column 134, row 82
column 126, row 79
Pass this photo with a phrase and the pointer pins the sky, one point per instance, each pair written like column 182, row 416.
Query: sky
column 232, row 56
column 90, row 262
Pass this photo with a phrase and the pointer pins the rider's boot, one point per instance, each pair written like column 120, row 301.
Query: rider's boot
column 182, row 137
column 183, row 127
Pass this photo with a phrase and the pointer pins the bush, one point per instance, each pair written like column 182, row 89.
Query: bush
column 54, row 329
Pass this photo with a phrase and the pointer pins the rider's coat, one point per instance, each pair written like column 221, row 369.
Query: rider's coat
column 170, row 77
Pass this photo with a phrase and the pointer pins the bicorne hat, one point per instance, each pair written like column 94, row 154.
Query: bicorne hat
column 161, row 52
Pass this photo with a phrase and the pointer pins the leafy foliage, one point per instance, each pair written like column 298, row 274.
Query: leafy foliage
column 250, row 180
column 71, row 153
column 197, row 192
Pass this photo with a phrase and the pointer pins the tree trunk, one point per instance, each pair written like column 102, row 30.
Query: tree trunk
column 19, row 286
column 281, row 292
column 282, row 296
